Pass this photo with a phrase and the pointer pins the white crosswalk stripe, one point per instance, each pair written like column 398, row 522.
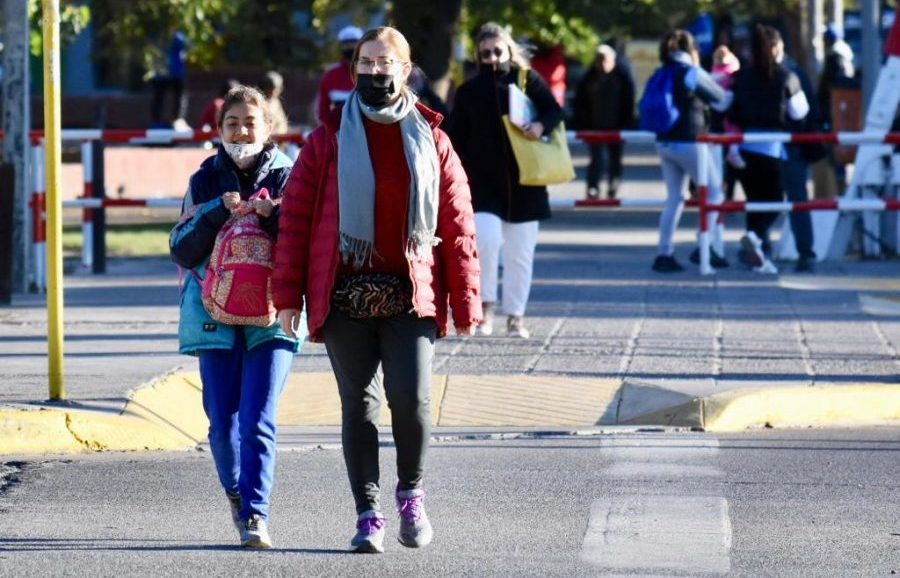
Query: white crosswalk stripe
column 660, row 533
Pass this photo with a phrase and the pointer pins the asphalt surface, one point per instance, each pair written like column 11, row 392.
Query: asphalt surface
column 762, row 503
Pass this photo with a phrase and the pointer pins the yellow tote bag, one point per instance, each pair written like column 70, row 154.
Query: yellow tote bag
column 541, row 162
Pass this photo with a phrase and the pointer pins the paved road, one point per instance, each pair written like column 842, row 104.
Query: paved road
column 763, row 503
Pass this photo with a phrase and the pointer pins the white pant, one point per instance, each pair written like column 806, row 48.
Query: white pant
column 517, row 240
column 678, row 161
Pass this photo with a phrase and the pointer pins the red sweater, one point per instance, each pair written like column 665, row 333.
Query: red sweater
column 391, row 199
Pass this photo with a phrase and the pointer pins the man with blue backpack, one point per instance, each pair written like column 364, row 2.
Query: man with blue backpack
column 675, row 105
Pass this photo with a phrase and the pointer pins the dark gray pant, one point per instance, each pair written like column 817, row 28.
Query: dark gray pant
column 404, row 345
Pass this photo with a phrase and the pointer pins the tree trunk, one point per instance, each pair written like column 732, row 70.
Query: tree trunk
column 16, row 125
column 430, row 28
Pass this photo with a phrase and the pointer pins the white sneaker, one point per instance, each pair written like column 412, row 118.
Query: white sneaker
column 515, row 327
column 254, row 533
column 768, row 267
column 486, row 327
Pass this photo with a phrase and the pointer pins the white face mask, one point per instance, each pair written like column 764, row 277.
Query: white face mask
column 243, row 154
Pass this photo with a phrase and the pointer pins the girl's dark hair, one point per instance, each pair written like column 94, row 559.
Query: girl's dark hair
column 242, row 94
column 765, row 39
column 675, row 41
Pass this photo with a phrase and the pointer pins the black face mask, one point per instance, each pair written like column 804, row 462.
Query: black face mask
column 375, row 90
column 347, row 54
column 496, row 68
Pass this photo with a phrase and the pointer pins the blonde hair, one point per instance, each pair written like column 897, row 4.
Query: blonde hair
column 391, row 36
column 517, row 53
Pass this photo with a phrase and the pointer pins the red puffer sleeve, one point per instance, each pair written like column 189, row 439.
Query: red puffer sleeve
column 295, row 223
column 461, row 271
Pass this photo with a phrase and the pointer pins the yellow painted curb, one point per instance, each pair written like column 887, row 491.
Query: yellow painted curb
column 802, row 406
column 166, row 415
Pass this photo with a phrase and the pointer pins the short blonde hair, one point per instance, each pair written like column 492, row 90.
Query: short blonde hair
column 390, row 36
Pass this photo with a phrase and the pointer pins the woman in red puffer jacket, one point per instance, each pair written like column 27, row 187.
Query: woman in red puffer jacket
column 377, row 237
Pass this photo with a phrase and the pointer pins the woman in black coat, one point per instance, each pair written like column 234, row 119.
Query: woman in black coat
column 506, row 212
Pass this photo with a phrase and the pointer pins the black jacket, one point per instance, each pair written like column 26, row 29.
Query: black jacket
column 476, row 128
column 760, row 101
column 604, row 101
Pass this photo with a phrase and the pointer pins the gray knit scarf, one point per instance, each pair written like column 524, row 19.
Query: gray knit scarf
column 356, row 180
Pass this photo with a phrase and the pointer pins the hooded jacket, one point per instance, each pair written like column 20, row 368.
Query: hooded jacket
column 191, row 243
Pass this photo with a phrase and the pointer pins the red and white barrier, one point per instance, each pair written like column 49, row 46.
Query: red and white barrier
column 95, row 203
column 39, row 217
column 841, row 138
column 149, row 136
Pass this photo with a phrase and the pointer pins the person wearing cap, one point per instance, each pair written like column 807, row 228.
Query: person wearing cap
column 336, row 83
column 604, row 100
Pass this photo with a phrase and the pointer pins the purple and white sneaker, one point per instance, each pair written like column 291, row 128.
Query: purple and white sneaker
column 415, row 529
column 369, row 538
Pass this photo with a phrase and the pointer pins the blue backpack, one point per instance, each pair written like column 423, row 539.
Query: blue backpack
column 657, row 109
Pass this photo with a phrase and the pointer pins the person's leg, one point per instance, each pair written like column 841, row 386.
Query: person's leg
column 407, row 351
column 715, row 196
column 762, row 182
column 796, row 173
column 615, row 169
column 518, row 264
column 265, row 371
column 179, row 98
column 220, row 373
column 407, row 344
column 489, row 239
column 595, row 165
column 671, row 163
column 159, row 86
column 354, row 351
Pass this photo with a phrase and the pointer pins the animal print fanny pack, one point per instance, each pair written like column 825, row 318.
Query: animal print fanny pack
column 369, row 295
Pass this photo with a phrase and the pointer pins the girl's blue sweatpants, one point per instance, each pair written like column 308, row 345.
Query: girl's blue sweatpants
column 240, row 397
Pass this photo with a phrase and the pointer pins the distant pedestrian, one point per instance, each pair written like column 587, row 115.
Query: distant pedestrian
column 377, row 240
column 725, row 66
column 506, row 213
column 243, row 368
column 171, row 78
column 604, row 100
column 766, row 96
column 796, row 171
column 337, row 82
column 694, row 92
column 272, row 87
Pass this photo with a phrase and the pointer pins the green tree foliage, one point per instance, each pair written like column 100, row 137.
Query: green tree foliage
column 145, row 27
column 73, row 19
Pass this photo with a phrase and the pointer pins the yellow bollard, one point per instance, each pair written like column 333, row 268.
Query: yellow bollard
column 53, row 164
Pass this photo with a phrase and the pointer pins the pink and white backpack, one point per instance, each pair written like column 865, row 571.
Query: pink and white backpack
column 237, row 289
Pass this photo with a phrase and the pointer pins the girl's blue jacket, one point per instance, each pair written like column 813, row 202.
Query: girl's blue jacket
column 191, row 244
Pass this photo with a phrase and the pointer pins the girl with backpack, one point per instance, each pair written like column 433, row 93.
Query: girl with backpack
column 377, row 240
column 767, row 95
column 675, row 106
column 243, row 368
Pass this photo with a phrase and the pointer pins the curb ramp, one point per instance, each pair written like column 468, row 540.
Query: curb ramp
column 167, row 414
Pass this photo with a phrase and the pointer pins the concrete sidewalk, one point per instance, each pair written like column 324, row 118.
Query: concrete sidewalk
column 613, row 344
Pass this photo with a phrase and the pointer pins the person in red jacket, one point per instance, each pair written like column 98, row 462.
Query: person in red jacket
column 377, row 238
column 337, row 81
